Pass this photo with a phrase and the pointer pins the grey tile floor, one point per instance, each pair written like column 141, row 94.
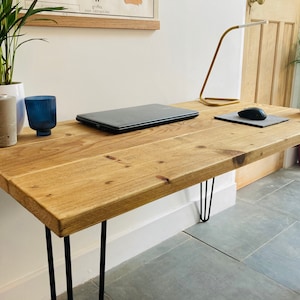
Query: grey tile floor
column 249, row 251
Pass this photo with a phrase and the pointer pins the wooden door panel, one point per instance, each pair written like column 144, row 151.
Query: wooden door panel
column 284, row 69
column 251, row 64
column 288, row 55
column 267, row 72
column 259, row 169
column 266, row 58
column 267, row 69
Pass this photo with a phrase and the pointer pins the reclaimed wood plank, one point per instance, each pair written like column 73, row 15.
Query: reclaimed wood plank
column 79, row 176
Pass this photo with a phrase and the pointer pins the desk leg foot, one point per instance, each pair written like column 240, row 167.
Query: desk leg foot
column 205, row 201
column 102, row 260
column 68, row 267
column 50, row 263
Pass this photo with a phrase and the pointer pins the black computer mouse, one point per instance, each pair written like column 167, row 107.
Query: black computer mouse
column 253, row 113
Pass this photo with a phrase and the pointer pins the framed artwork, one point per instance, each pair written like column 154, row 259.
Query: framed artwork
column 119, row 14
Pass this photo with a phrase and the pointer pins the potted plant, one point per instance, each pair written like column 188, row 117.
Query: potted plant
column 12, row 19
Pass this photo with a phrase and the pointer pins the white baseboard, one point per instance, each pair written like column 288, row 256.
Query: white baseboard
column 120, row 247
column 290, row 157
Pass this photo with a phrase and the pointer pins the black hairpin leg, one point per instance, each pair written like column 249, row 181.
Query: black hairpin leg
column 68, row 267
column 50, row 263
column 102, row 260
column 205, row 201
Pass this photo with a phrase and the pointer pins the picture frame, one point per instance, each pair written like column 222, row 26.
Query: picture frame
column 100, row 14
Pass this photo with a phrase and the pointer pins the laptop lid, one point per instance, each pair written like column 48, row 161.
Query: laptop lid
column 137, row 117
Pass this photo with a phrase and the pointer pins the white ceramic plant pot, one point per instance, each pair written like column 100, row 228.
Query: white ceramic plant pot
column 17, row 90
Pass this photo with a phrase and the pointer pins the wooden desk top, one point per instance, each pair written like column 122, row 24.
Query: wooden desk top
column 79, row 176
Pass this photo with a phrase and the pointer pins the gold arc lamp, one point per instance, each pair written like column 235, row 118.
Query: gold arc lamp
column 222, row 101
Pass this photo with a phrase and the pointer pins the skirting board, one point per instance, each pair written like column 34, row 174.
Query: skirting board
column 85, row 264
column 290, row 157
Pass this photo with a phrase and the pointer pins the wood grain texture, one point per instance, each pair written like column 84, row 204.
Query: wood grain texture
column 258, row 169
column 79, row 176
column 267, row 69
column 269, row 51
column 91, row 22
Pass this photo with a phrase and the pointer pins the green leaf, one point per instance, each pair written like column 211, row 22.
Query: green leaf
column 11, row 22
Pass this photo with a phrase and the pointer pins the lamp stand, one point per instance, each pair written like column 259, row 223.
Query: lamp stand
column 222, row 101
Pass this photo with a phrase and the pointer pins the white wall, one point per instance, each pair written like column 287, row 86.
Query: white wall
column 96, row 69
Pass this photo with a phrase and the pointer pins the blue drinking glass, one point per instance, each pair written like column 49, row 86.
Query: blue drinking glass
column 41, row 113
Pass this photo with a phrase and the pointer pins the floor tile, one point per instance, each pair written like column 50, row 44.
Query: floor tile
column 144, row 258
column 194, row 271
column 87, row 291
column 267, row 185
column 280, row 258
column 240, row 230
column 292, row 172
column 285, row 200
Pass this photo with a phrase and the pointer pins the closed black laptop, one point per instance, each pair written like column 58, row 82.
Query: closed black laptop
column 137, row 117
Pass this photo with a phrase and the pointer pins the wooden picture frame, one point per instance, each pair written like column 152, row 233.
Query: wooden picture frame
column 90, row 22
column 85, row 20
